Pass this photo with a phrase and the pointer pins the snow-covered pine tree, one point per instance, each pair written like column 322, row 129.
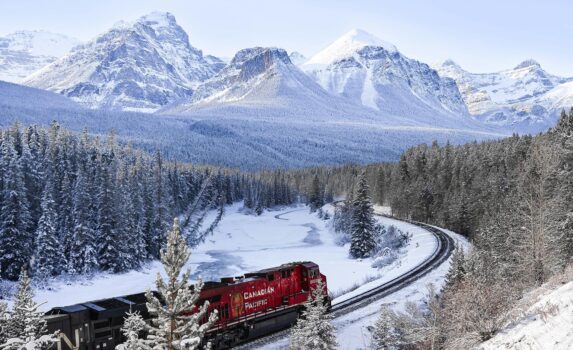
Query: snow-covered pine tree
column 159, row 224
column 27, row 327
column 457, row 269
column 385, row 335
column 82, row 257
column 313, row 330
column 48, row 260
column 133, row 325
column 109, row 250
column 171, row 328
column 15, row 241
column 4, row 322
column 363, row 223
column 315, row 197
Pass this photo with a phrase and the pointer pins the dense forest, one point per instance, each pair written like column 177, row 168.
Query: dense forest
column 69, row 202
column 513, row 198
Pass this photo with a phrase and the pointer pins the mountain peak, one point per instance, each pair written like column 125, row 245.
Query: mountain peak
column 157, row 18
column 528, row 63
column 362, row 37
column 449, row 63
column 347, row 45
column 268, row 54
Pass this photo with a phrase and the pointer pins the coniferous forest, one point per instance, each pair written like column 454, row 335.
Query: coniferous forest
column 513, row 198
column 69, row 202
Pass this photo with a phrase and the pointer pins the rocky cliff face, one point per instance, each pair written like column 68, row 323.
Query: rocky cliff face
column 525, row 98
column 134, row 66
column 369, row 71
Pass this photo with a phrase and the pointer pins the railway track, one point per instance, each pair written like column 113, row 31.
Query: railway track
column 442, row 252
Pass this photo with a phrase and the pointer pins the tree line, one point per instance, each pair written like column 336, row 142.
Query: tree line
column 69, row 202
column 513, row 198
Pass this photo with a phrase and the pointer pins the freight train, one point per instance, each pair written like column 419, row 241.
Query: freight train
column 248, row 306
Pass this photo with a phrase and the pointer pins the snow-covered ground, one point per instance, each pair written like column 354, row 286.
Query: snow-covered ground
column 544, row 325
column 244, row 243
column 353, row 328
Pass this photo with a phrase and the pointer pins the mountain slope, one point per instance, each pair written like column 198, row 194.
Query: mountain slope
column 371, row 72
column 263, row 82
column 24, row 52
column 134, row 66
column 17, row 96
column 523, row 98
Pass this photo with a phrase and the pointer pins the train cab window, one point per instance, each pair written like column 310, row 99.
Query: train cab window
column 286, row 273
column 215, row 299
column 304, row 273
column 271, row 277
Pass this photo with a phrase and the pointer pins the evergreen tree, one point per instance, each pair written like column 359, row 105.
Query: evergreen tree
column 109, row 250
column 27, row 327
column 313, row 330
column 4, row 322
column 132, row 327
column 15, row 241
column 315, row 198
column 363, row 223
column 48, row 257
column 82, row 258
column 457, row 269
column 385, row 335
column 171, row 328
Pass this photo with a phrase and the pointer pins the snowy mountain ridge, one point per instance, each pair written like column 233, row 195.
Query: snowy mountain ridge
column 372, row 72
column 523, row 98
column 263, row 82
column 138, row 66
column 23, row 52
column 346, row 46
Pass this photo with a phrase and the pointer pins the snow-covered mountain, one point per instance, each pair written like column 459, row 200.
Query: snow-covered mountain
column 523, row 98
column 372, row 72
column 24, row 52
column 263, row 82
column 139, row 66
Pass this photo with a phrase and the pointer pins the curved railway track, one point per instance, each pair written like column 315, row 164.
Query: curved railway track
column 442, row 252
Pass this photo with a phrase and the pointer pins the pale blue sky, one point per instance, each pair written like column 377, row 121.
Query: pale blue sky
column 482, row 36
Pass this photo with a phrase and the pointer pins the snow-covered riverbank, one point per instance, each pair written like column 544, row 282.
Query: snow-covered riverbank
column 244, row 243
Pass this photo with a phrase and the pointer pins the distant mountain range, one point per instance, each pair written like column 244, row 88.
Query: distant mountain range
column 525, row 98
column 149, row 66
column 24, row 52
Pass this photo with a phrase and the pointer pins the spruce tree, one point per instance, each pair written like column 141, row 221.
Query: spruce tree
column 48, row 260
column 315, row 198
column 363, row 223
column 27, row 327
column 109, row 251
column 15, row 241
column 82, row 258
column 4, row 322
column 457, row 269
column 171, row 328
column 385, row 335
column 132, row 327
column 313, row 330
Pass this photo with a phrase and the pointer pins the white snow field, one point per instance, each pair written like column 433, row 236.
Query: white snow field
column 544, row 325
column 353, row 328
column 244, row 243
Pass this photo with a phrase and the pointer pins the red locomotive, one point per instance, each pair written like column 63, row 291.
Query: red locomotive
column 261, row 302
column 248, row 307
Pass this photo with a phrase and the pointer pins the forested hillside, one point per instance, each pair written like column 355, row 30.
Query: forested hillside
column 511, row 197
column 69, row 202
